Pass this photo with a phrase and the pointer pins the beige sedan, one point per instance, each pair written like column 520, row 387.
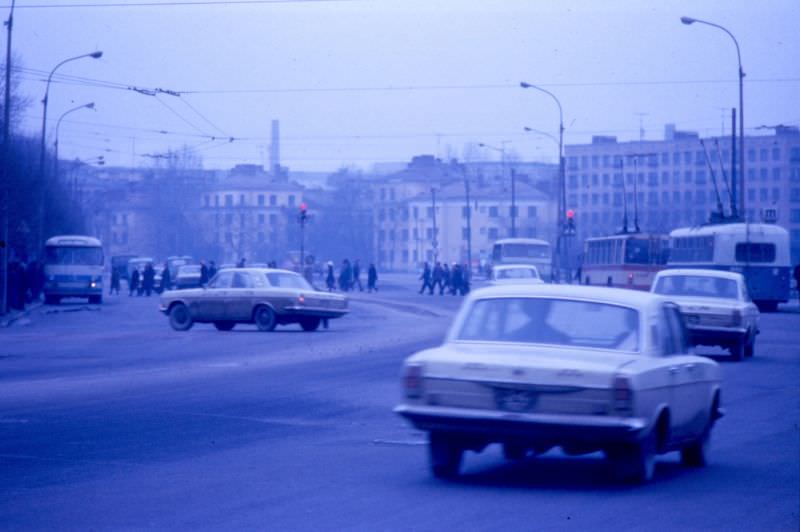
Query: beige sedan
column 265, row 297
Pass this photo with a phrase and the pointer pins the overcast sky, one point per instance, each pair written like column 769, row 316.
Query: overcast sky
column 362, row 81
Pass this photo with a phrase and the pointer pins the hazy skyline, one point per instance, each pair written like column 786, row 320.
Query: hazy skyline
column 356, row 82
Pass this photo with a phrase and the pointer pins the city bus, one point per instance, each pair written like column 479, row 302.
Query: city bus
column 758, row 251
column 73, row 267
column 627, row 260
column 525, row 251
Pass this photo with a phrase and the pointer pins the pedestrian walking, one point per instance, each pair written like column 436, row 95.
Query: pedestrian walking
column 372, row 278
column 330, row 280
column 438, row 272
column 456, row 278
column 148, row 279
column 17, row 285
column 345, row 276
column 425, row 277
column 133, row 284
column 203, row 273
column 242, row 263
column 166, row 282
column 446, row 279
column 357, row 276
column 114, row 281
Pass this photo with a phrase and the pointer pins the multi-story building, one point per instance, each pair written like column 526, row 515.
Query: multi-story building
column 421, row 213
column 679, row 181
column 252, row 215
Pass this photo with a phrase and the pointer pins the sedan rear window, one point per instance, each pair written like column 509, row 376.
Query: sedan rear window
column 287, row 280
column 552, row 321
column 697, row 286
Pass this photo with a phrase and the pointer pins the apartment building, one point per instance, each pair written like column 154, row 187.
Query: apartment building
column 679, row 181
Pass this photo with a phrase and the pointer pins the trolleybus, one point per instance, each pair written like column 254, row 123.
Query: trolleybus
column 627, row 260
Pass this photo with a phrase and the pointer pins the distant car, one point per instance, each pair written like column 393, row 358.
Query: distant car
column 715, row 305
column 266, row 297
column 585, row 368
column 514, row 274
column 188, row 276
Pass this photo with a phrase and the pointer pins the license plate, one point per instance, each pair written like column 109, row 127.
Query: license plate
column 515, row 400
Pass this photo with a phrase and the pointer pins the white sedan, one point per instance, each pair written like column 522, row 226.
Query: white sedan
column 715, row 305
column 583, row 368
column 515, row 274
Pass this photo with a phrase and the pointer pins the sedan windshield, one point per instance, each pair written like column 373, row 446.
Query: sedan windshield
column 552, row 321
column 697, row 286
column 91, row 256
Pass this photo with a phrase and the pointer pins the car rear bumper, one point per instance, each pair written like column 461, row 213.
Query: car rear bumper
column 715, row 335
column 548, row 429
column 326, row 313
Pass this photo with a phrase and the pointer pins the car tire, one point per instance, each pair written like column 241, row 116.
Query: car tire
column 265, row 318
column 180, row 318
column 696, row 453
column 737, row 349
column 750, row 348
column 445, row 455
column 635, row 463
column 224, row 325
column 310, row 324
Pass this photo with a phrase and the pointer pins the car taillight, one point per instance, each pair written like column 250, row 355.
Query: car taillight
column 630, row 278
column 737, row 318
column 623, row 394
column 412, row 381
column 301, row 299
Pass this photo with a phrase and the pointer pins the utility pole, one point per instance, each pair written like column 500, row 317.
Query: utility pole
column 434, row 242
column 513, row 204
column 469, row 219
column 5, row 193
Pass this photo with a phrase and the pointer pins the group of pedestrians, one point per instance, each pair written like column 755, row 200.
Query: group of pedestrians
column 141, row 284
column 350, row 277
column 25, row 283
column 453, row 280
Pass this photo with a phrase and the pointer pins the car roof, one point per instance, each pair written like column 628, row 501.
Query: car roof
column 614, row 296
column 514, row 266
column 724, row 274
column 251, row 269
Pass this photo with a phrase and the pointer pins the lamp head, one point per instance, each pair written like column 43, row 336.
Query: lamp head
column 89, row 105
column 688, row 20
column 96, row 55
column 524, row 85
column 526, row 128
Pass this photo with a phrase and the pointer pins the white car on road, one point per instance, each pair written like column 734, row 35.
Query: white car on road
column 515, row 274
column 578, row 367
column 715, row 305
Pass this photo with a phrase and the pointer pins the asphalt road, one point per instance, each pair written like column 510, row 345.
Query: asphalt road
column 111, row 420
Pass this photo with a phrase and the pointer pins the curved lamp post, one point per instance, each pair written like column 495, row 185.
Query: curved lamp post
column 94, row 55
column 58, row 125
column 562, row 191
column 688, row 21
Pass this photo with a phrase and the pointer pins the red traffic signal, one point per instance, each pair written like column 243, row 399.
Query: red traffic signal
column 303, row 207
column 570, row 214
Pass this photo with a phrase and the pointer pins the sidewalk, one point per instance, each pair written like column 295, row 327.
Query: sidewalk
column 14, row 315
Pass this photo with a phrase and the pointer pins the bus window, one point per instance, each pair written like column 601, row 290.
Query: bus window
column 755, row 252
column 636, row 252
column 92, row 256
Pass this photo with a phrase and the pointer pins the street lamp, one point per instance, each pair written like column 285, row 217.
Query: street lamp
column 688, row 21
column 502, row 151
column 58, row 125
column 94, row 55
column 562, row 191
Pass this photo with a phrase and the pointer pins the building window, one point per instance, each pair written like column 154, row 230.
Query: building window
column 573, row 181
column 229, row 200
column 260, row 236
column 260, row 219
column 273, row 200
column 273, row 219
column 763, row 154
column 605, row 198
column 464, row 212
column 794, row 216
column 291, row 200
column 493, row 233
column 493, row 211
column 687, row 176
column 206, row 201
column 261, row 200
column 606, row 179
column 763, row 194
column 776, row 174
column 216, row 200
column 532, row 211
column 763, row 174
column 700, row 177
column 430, row 212
column 687, row 157
column 776, row 154
column 595, row 180
column 776, row 194
column 751, row 155
column 428, row 233
column 464, row 233
column 676, row 158
column 405, row 235
column 228, row 218
column 228, row 237
column 241, row 199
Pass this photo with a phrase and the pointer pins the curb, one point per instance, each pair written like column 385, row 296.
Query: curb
column 14, row 316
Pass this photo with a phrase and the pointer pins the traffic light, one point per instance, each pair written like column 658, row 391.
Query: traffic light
column 570, row 229
column 303, row 212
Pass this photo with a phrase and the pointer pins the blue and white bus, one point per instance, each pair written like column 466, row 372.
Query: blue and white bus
column 758, row 251
column 73, row 267
column 524, row 251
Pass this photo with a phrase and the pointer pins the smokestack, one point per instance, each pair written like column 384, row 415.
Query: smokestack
column 275, row 150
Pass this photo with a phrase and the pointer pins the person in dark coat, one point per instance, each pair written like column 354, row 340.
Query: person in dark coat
column 465, row 279
column 203, row 273
column 446, row 279
column 16, row 285
column 148, row 279
column 134, row 283
column 357, row 276
column 33, row 272
column 437, row 278
column 372, row 278
column 166, row 282
column 455, row 279
column 330, row 279
column 425, row 277
column 797, row 279
column 345, row 276
column 114, row 281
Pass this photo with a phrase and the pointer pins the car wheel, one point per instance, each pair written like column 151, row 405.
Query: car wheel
column 636, row 463
column 180, row 318
column 737, row 349
column 265, row 319
column 224, row 325
column 445, row 455
column 696, row 453
column 310, row 324
column 750, row 348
